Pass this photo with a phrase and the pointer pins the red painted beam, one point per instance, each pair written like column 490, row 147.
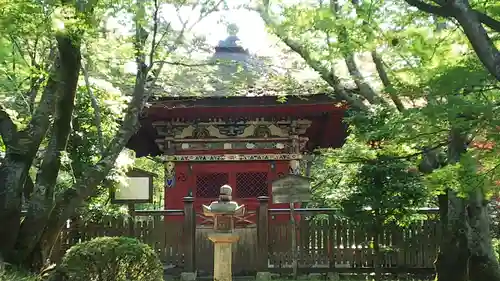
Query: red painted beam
column 159, row 112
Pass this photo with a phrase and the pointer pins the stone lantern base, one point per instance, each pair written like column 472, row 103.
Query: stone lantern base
column 223, row 254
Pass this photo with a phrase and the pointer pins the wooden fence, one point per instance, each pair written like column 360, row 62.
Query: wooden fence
column 335, row 244
column 325, row 242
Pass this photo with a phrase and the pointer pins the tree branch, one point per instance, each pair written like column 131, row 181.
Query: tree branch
column 409, row 156
column 87, row 184
column 379, row 65
column 429, row 8
column 364, row 88
column 481, row 43
column 35, row 81
column 95, row 106
column 448, row 13
column 8, row 130
column 175, row 44
column 20, row 153
column 40, row 121
column 28, row 189
column 155, row 32
column 488, row 21
column 41, row 202
column 18, row 160
column 31, row 137
column 219, row 62
column 326, row 74
column 349, row 57
column 471, row 22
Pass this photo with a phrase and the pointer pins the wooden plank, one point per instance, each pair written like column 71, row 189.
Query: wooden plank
column 339, row 258
column 387, row 246
column 331, row 241
column 345, row 243
column 158, row 242
column 398, row 242
column 313, row 247
column 359, row 241
column 352, row 242
column 325, row 235
column 303, row 235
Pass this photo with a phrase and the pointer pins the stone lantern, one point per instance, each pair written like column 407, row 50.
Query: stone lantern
column 223, row 211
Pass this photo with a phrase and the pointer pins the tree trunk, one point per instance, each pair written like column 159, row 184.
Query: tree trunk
column 86, row 185
column 483, row 264
column 32, row 245
column 13, row 174
column 452, row 260
column 466, row 251
column 36, row 259
column 453, row 257
column 42, row 201
column 21, row 149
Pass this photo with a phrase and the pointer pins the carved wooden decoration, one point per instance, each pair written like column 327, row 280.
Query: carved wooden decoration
column 201, row 133
column 224, row 223
column 262, row 131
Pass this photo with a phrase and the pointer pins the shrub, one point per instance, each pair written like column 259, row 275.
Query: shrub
column 110, row 259
column 496, row 247
column 16, row 275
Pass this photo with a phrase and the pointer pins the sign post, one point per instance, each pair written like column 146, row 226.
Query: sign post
column 138, row 188
column 292, row 189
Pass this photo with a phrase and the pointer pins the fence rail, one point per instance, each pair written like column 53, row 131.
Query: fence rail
column 341, row 244
column 325, row 242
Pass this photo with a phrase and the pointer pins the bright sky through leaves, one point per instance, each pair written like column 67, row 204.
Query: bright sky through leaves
column 252, row 31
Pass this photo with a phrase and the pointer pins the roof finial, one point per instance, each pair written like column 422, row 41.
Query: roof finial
column 232, row 29
column 232, row 41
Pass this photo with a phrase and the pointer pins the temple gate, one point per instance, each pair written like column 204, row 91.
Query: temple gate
column 246, row 141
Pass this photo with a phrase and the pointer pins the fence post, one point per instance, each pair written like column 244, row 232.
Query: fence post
column 263, row 233
column 189, row 234
column 131, row 220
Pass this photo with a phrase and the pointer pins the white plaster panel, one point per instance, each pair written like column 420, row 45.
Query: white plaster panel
column 134, row 188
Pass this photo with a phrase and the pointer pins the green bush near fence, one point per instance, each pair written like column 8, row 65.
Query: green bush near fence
column 110, row 259
column 496, row 246
column 17, row 275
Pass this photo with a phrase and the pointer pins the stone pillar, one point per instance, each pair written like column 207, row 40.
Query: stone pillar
column 223, row 255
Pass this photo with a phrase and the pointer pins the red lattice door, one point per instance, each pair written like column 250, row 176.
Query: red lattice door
column 249, row 180
column 252, row 184
column 208, row 184
column 252, row 180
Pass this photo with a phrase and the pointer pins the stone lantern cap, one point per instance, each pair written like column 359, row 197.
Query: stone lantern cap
column 225, row 205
